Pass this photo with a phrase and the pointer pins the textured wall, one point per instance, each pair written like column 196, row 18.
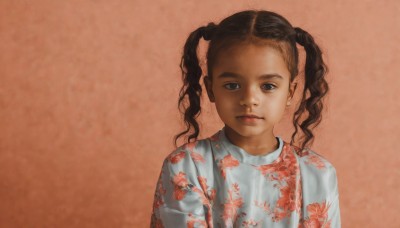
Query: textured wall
column 88, row 94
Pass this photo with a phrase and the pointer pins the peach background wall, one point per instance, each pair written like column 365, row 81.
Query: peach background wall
column 88, row 95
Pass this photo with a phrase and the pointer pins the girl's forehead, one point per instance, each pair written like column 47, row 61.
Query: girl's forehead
column 251, row 59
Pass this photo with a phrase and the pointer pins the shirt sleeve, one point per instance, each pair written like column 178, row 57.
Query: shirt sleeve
column 334, row 209
column 320, row 192
column 179, row 200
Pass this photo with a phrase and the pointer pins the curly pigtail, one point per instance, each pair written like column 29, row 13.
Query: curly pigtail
column 191, row 74
column 315, row 83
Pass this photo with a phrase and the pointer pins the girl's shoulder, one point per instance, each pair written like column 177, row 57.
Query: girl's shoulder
column 317, row 172
column 195, row 151
column 190, row 162
column 312, row 158
column 319, row 188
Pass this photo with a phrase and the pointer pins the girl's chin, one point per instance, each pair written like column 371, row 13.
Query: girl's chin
column 243, row 129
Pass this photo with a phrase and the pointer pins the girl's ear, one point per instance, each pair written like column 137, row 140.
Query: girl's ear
column 292, row 89
column 208, row 84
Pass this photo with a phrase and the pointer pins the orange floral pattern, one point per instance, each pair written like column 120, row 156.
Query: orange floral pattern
column 231, row 205
column 195, row 222
column 202, row 186
column 210, row 193
column 176, row 157
column 158, row 201
column 285, row 175
column 318, row 216
column 227, row 162
column 311, row 158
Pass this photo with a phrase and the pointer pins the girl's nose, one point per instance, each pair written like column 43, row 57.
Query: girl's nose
column 250, row 97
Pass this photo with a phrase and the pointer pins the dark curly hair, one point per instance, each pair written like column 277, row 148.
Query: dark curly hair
column 258, row 27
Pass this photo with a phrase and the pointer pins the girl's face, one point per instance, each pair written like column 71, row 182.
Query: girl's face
column 250, row 80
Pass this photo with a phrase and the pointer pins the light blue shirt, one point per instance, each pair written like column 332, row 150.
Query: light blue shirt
column 214, row 183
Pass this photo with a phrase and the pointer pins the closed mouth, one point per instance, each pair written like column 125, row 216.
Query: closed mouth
column 250, row 116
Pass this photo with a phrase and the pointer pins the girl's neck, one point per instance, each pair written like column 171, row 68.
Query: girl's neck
column 258, row 145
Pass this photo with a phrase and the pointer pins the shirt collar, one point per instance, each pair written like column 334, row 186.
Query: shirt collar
column 224, row 146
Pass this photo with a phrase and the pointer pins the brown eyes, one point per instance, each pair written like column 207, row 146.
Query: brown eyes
column 230, row 87
column 272, row 86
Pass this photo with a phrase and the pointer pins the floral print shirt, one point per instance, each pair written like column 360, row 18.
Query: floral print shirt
column 213, row 183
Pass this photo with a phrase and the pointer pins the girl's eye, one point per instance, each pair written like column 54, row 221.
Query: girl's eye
column 270, row 85
column 230, row 84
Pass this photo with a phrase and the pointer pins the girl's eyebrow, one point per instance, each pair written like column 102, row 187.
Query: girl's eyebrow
column 264, row 76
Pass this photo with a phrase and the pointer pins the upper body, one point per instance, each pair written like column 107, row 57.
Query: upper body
column 213, row 183
column 243, row 175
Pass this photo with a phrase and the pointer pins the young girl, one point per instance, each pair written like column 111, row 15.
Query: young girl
column 243, row 175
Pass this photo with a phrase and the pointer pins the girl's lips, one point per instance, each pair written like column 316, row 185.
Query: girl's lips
column 250, row 116
column 249, row 120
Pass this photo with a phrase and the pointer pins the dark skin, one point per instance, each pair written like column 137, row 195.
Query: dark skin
column 237, row 89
